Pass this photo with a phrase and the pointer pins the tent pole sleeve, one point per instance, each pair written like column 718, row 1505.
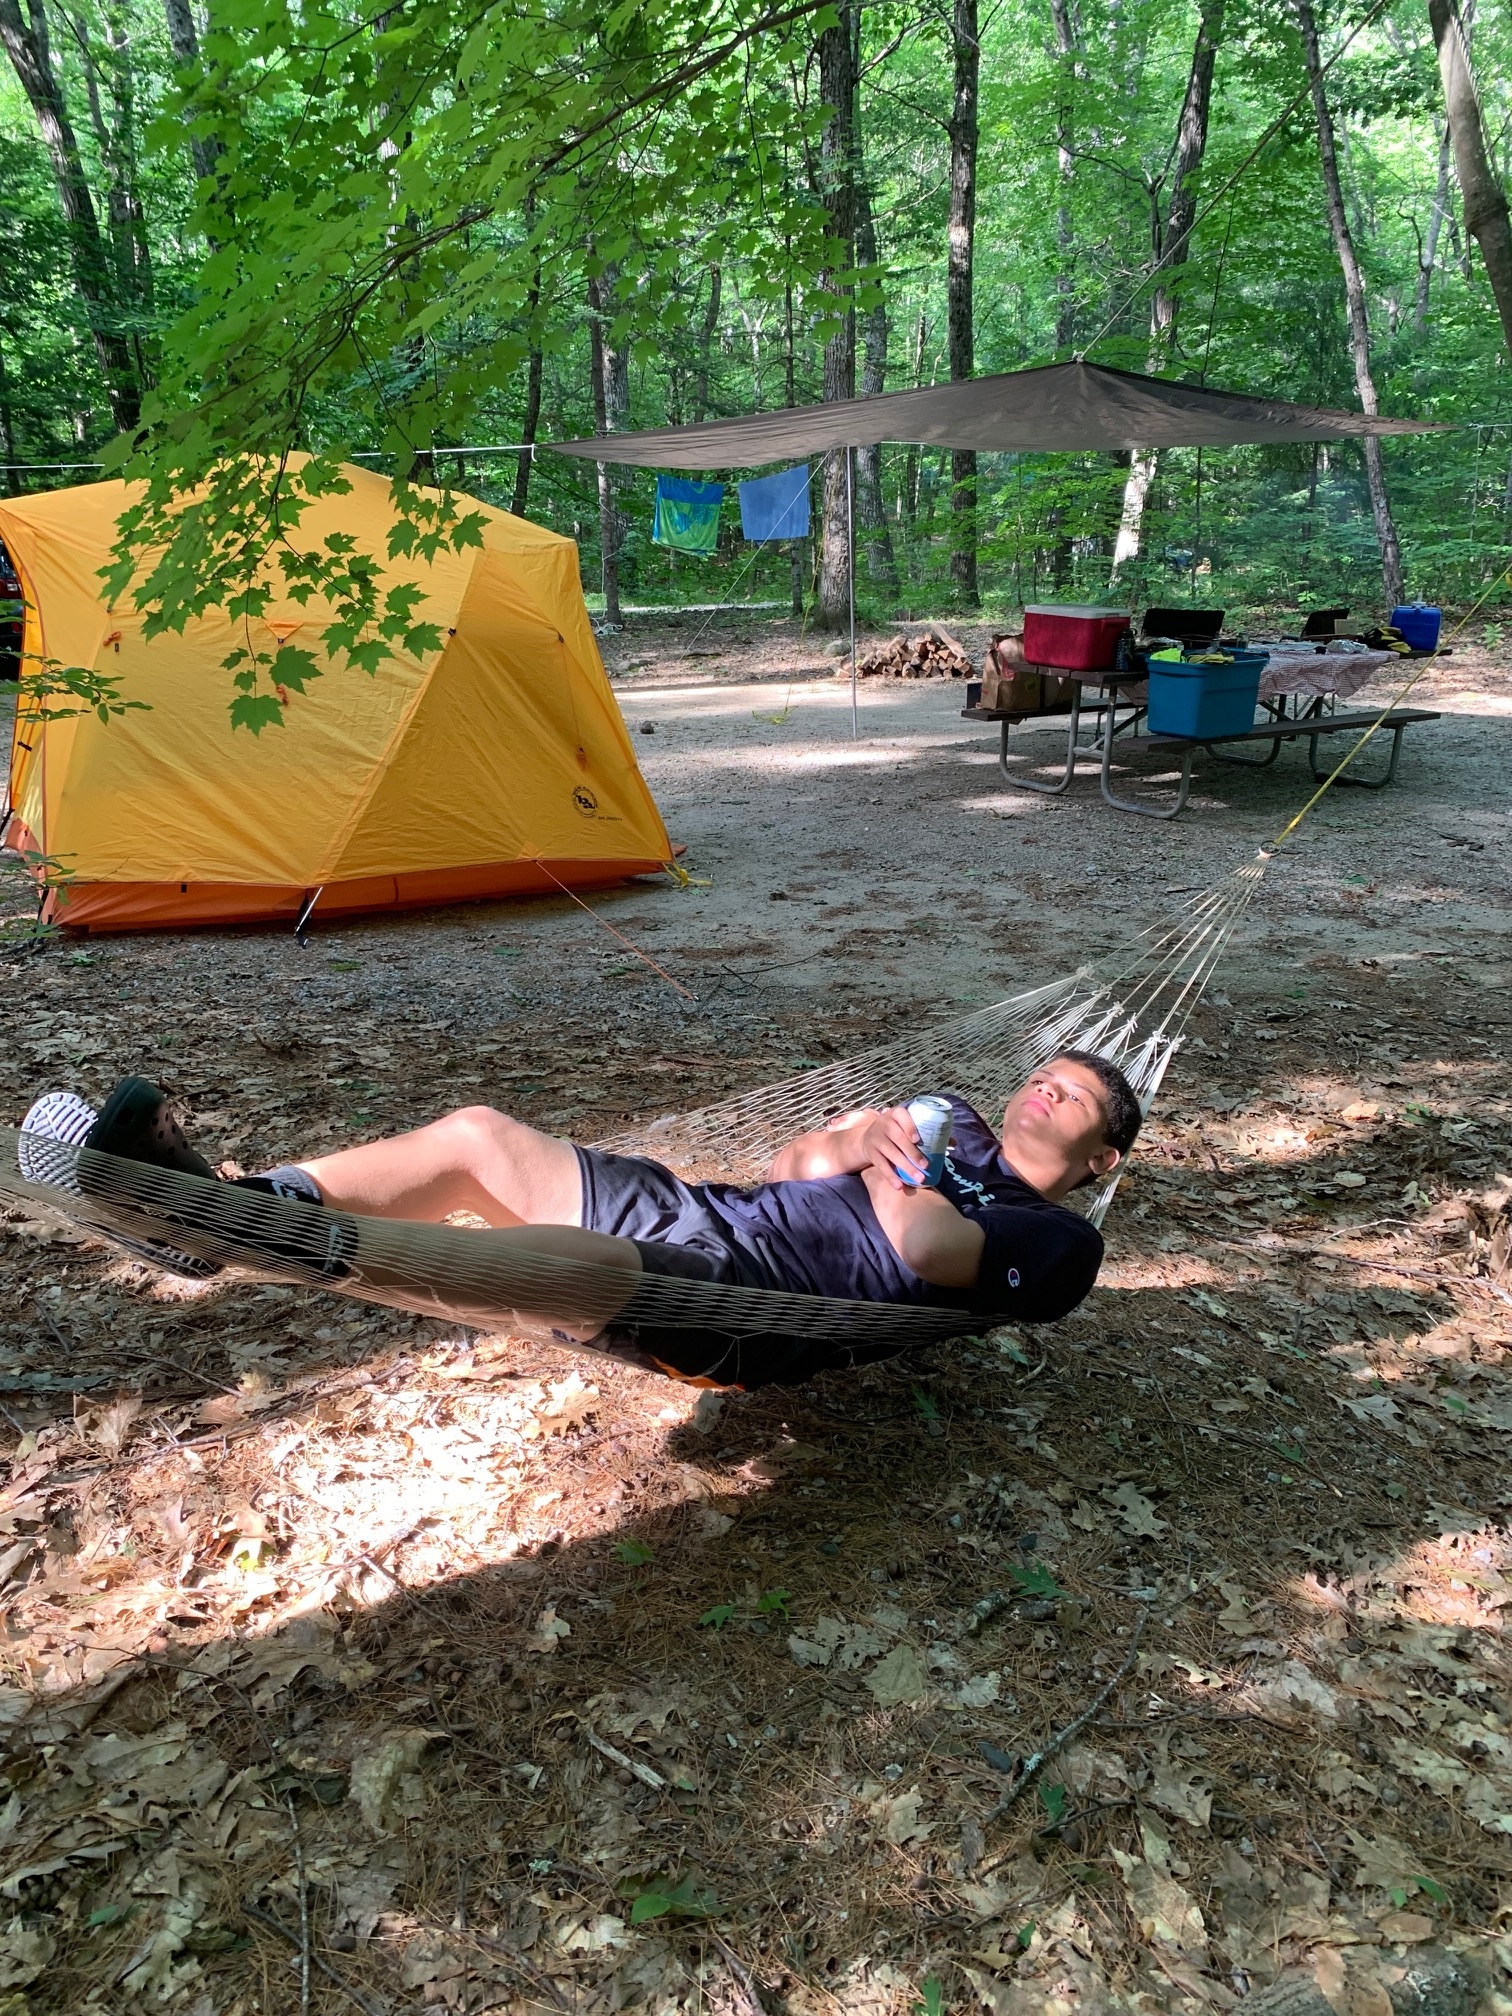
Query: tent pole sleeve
column 850, row 541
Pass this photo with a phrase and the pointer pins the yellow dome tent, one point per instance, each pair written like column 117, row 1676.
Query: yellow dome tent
column 498, row 765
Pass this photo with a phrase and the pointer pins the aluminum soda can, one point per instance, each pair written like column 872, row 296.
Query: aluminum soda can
column 932, row 1116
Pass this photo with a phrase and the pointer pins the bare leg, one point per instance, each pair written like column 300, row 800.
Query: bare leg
column 474, row 1160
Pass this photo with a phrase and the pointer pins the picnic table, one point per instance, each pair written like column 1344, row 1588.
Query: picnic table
column 1299, row 691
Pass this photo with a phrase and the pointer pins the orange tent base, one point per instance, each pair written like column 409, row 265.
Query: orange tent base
column 169, row 906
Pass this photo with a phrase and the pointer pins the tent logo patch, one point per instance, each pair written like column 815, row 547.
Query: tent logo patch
column 585, row 801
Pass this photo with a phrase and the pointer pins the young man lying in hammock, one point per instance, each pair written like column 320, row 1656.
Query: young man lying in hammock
column 837, row 1216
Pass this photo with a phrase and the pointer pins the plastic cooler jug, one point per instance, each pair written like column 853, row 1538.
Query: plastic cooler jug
column 1073, row 638
column 1198, row 700
column 1417, row 623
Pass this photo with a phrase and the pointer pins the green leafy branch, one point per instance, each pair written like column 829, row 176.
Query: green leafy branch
column 49, row 690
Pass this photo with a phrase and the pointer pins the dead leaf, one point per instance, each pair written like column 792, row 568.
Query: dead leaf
column 112, row 1430
column 899, row 1819
column 1165, row 1912
column 568, row 1402
column 383, row 1781
column 1180, row 1790
column 364, row 1893
column 1384, row 1863
column 1405, row 1928
column 439, row 1966
column 1136, row 1513
column 978, row 1692
column 25, row 1949
column 1291, row 1691
column 1235, row 1617
column 594, row 1934
column 898, row 1679
column 1487, row 1802
column 549, row 1631
column 150, row 1973
column 1439, row 1773
column 1350, row 1982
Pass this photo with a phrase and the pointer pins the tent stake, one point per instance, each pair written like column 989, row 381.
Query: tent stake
column 850, row 544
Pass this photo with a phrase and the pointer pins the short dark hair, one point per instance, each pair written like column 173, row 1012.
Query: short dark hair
column 1124, row 1118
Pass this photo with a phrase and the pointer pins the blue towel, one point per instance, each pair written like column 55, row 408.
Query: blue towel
column 687, row 515
column 776, row 507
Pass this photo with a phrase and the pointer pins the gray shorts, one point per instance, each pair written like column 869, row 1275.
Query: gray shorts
column 669, row 1220
column 676, row 1232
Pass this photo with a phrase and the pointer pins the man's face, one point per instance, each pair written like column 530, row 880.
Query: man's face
column 1053, row 1128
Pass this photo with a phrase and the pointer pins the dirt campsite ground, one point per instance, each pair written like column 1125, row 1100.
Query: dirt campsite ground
column 355, row 1661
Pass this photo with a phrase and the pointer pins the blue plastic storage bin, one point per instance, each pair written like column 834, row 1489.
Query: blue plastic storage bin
column 1418, row 624
column 1204, row 700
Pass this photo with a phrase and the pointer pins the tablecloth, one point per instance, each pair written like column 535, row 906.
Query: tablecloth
column 1304, row 670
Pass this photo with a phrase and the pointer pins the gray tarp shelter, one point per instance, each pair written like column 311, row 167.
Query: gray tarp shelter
column 1055, row 408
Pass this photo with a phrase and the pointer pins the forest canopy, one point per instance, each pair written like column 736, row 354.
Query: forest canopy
column 239, row 234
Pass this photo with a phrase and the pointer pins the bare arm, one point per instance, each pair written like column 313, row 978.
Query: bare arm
column 923, row 1228
column 926, row 1231
column 850, row 1143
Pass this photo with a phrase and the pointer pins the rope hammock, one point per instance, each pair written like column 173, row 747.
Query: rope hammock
column 1135, row 1016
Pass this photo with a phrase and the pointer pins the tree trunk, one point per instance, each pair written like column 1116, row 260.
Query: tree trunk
column 1065, row 245
column 790, row 398
column 1486, row 216
column 1354, row 294
column 1428, row 252
column 533, row 370
column 706, row 347
column 837, row 91
column 8, row 432
column 611, row 390
column 1065, row 295
column 908, row 497
column 204, row 150
column 882, row 565
column 1172, row 244
column 118, row 154
column 26, row 44
column 531, row 423
column 960, row 312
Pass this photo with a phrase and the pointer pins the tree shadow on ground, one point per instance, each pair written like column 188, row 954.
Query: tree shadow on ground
column 754, row 1740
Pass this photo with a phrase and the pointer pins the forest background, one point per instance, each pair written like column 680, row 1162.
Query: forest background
column 435, row 227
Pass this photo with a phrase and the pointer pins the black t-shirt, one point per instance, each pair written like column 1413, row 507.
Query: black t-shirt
column 822, row 1237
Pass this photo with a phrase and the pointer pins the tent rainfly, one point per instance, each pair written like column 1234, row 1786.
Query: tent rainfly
column 1056, row 408
column 498, row 764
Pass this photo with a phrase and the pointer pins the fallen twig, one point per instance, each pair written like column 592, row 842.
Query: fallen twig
column 631, row 1764
column 304, row 1908
column 740, row 1973
column 1442, row 1282
column 529, row 1973
column 287, row 1932
column 1036, row 1763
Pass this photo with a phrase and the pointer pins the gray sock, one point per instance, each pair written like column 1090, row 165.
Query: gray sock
column 288, row 1181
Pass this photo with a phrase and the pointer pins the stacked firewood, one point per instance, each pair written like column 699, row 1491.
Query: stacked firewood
column 933, row 654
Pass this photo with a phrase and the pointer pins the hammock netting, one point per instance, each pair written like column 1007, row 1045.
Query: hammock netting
column 494, row 1279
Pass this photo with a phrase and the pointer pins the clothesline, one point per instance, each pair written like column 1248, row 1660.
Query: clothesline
column 357, row 455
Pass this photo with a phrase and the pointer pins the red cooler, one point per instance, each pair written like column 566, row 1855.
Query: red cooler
column 1073, row 638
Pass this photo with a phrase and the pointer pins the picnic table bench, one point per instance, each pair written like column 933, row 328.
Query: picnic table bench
column 1307, row 724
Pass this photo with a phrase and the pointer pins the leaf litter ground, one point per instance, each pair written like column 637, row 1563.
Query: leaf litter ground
column 354, row 1661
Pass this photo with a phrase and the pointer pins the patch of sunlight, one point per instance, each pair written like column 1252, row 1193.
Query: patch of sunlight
column 1163, row 1270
